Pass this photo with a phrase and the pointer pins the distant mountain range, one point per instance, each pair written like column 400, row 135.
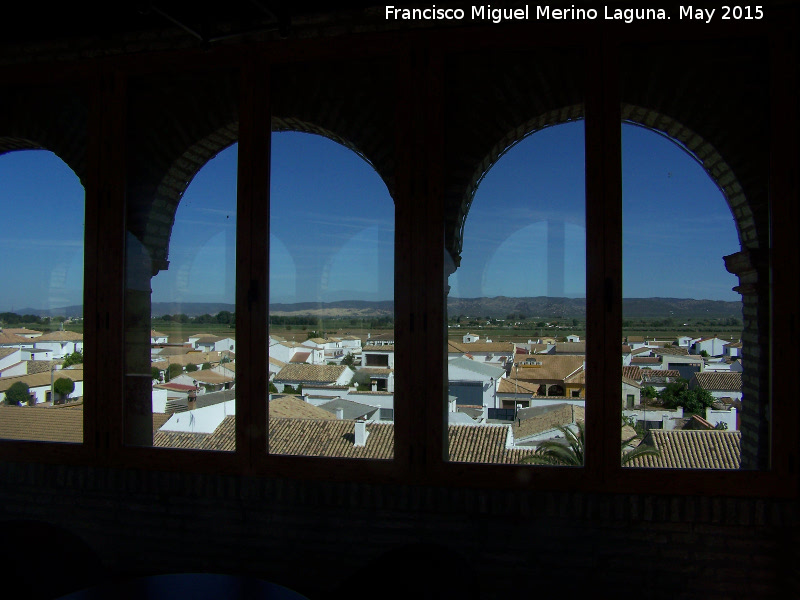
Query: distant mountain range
column 499, row 307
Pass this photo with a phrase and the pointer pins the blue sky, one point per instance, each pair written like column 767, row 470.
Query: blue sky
column 332, row 226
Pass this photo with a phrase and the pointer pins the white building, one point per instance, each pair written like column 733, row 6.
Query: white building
column 61, row 343
column 474, row 383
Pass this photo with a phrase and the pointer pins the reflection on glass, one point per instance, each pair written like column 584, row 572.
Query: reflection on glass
column 682, row 322
column 193, row 337
column 41, row 306
column 517, row 309
column 180, row 247
column 331, row 312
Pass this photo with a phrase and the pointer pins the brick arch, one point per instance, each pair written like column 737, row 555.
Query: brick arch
column 498, row 150
column 53, row 120
column 159, row 218
column 698, row 148
column 156, row 230
column 709, row 158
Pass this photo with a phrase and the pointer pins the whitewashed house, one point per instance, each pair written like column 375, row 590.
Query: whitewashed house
column 470, row 338
column 40, row 384
column 10, row 340
column 733, row 350
column 378, row 356
column 719, row 384
column 474, row 383
column 158, row 338
column 305, row 374
column 61, row 343
column 212, row 343
column 714, row 346
column 9, row 357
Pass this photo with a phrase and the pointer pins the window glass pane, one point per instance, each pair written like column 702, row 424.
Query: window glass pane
column 695, row 369
column 41, row 306
column 517, row 300
column 331, row 305
column 181, row 263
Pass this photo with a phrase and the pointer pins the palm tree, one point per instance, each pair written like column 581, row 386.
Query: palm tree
column 555, row 452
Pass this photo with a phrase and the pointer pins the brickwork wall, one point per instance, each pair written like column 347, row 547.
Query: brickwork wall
column 316, row 536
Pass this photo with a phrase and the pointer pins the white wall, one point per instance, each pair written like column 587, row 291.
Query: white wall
column 200, row 420
column 159, row 401
column 722, row 416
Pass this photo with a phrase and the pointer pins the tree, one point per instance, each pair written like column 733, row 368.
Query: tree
column 649, row 391
column 76, row 358
column 704, row 353
column 17, row 394
column 173, row 371
column 191, row 368
column 155, row 373
column 361, row 378
column 571, row 454
column 206, row 366
column 349, row 361
column 693, row 401
column 63, row 386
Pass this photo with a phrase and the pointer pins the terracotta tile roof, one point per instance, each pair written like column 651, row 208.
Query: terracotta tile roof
column 210, row 377
column 186, row 358
column 9, row 338
column 41, row 379
column 173, row 351
column 632, row 372
column 40, row 366
column 482, row 443
column 672, row 351
column 7, row 351
column 59, row 336
column 46, row 424
column 577, row 377
column 496, row 347
column 552, row 368
column 311, row 373
column 646, row 360
column 626, row 349
column 291, row 407
column 176, row 439
column 692, row 449
column 631, row 382
column 376, row 370
column 373, row 348
column 299, row 357
column 333, row 438
column 22, row 331
column 537, row 419
column 659, row 375
column 329, row 438
column 157, row 334
column 276, row 362
column 570, row 347
column 512, row 386
column 718, row 380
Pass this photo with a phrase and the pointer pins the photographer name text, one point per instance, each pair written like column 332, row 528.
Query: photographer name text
column 548, row 13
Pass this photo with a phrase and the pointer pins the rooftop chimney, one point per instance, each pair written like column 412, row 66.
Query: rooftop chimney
column 340, row 413
column 361, row 433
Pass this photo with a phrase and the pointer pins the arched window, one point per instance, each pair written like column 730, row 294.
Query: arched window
column 41, row 310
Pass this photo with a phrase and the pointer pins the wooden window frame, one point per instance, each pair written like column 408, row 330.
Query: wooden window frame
column 420, row 324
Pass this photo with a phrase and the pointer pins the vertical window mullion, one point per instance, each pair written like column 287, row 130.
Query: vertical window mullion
column 783, row 194
column 604, row 258
column 105, row 273
column 252, row 277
